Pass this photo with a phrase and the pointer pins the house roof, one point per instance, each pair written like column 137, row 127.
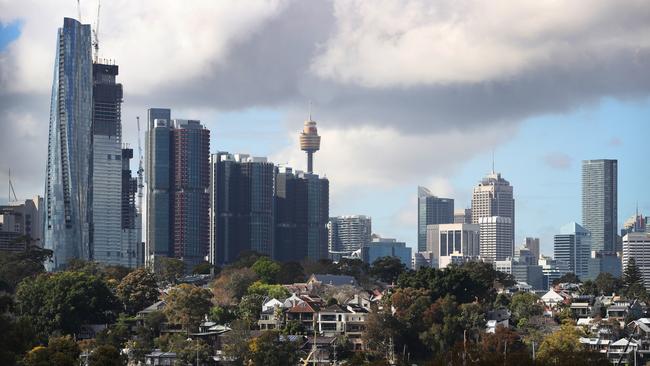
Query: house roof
column 158, row 305
column 303, row 307
column 333, row 309
column 623, row 342
column 333, row 280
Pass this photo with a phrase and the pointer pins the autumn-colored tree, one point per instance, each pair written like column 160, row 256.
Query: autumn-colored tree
column 187, row 305
column 562, row 342
column 231, row 285
column 138, row 290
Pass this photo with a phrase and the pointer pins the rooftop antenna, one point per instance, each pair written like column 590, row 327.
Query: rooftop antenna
column 78, row 11
column 492, row 161
column 310, row 109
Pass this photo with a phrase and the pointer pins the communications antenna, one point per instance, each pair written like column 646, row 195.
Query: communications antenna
column 78, row 11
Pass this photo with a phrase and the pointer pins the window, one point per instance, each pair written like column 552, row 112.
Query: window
column 109, row 156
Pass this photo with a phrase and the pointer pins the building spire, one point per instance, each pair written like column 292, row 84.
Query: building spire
column 492, row 161
column 310, row 109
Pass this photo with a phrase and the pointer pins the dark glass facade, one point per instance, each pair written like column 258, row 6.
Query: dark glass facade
column 432, row 210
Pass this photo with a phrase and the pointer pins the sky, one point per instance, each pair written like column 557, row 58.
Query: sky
column 405, row 93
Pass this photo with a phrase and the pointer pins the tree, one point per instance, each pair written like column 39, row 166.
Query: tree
column 116, row 334
column 170, row 270
column 525, row 305
column 60, row 351
column 272, row 291
column 445, row 326
column 138, row 290
column 192, row 351
column 562, row 342
column 633, row 279
column 232, row 284
column 607, row 284
column 249, row 308
column 567, row 278
column 221, row 315
column 387, row 269
column 269, row 350
column 187, row 305
column 290, row 272
column 293, row 327
column 235, row 346
column 115, row 272
column 205, row 268
column 64, row 301
column 16, row 266
column 266, row 269
column 106, row 355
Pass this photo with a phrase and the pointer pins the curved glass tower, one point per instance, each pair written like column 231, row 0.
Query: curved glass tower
column 66, row 203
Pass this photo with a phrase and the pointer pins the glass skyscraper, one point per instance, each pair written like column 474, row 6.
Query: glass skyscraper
column 573, row 246
column 66, row 202
column 432, row 210
column 600, row 203
column 241, row 196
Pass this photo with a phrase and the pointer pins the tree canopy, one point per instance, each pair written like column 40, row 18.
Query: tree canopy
column 138, row 290
column 187, row 305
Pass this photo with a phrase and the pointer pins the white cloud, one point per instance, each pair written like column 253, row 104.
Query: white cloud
column 398, row 43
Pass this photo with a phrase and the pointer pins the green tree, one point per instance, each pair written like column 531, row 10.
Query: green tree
column 64, row 301
column 191, row 351
column 525, row 305
column 387, row 269
column 563, row 342
column 221, row 314
column 170, row 270
column 60, row 351
column 290, row 272
column 106, row 355
column 272, row 291
column 205, row 268
column 633, row 279
column 116, row 334
column 235, row 346
column 115, row 272
column 293, row 327
column 266, row 269
column 445, row 325
column 567, row 278
column 269, row 350
column 187, row 305
column 16, row 266
column 607, row 284
column 249, row 308
column 138, row 290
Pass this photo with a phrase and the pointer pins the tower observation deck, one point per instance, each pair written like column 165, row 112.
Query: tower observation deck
column 310, row 142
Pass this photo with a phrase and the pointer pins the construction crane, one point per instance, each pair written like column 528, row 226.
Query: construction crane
column 140, row 171
column 95, row 41
column 11, row 189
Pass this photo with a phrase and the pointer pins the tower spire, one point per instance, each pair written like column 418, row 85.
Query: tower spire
column 492, row 161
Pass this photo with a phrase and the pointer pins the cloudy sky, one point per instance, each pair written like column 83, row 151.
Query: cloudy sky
column 405, row 92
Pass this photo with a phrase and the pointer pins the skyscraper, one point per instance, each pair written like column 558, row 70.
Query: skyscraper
column 106, row 170
column 301, row 214
column 190, row 200
column 349, row 233
column 493, row 196
column 178, row 153
column 600, row 203
column 532, row 244
column 573, row 246
column 463, row 216
column 496, row 243
column 432, row 210
column 637, row 245
column 158, row 176
column 453, row 243
column 241, row 213
column 67, row 182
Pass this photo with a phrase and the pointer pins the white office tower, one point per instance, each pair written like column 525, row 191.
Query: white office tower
column 493, row 196
column 452, row 243
column 637, row 246
column 496, row 242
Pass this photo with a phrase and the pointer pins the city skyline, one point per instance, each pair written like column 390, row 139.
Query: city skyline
column 364, row 184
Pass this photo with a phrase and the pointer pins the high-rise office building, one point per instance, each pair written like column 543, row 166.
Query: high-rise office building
column 453, row 243
column 349, row 233
column 158, row 170
column 178, row 153
column 496, row 243
column 600, row 203
column 67, row 182
column 19, row 219
column 463, row 216
column 493, row 196
column 637, row 245
column 301, row 215
column 432, row 210
column 241, row 213
column 573, row 246
column 106, row 170
column 532, row 244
